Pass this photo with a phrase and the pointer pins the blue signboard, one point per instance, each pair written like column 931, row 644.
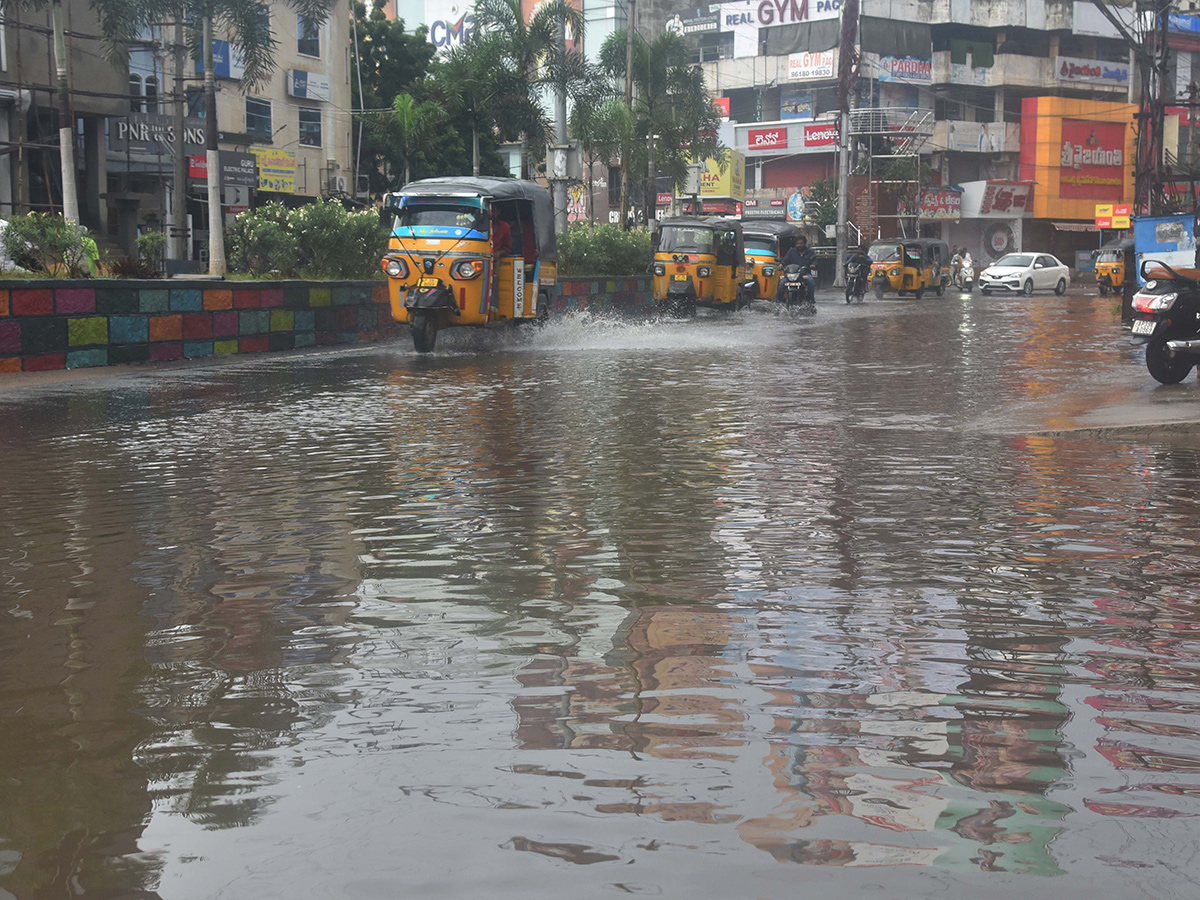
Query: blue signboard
column 1168, row 239
column 227, row 62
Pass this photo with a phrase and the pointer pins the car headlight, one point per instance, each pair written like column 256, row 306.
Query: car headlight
column 704, row 271
column 660, row 269
column 1154, row 302
column 395, row 268
column 466, row 269
column 768, row 271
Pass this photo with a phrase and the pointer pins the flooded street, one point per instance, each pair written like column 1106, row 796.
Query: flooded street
column 732, row 608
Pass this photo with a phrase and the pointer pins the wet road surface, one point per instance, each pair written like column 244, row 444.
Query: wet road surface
column 742, row 607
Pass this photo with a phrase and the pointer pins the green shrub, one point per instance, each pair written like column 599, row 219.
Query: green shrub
column 47, row 244
column 603, row 250
column 319, row 240
column 151, row 246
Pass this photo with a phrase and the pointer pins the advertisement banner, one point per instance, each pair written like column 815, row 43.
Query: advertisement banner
column 759, row 138
column 794, row 104
column 450, row 23
column 1168, row 239
column 907, row 69
column 730, row 183
column 1112, row 215
column 227, row 61
column 745, row 17
column 696, row 25
column 722, row 105
column 940, row 204
column 1091, row 71
column 822, row 135
column 807, row 66
column 276, row 169
column 1005, row 197
column 1092, row 161
column 308, row 85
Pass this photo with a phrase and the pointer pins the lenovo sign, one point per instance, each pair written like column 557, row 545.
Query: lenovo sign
column 760, row 138
column 821, row 135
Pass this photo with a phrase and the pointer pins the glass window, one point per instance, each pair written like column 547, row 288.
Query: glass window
column 1016, row 260
column 258, row 117
column 767, row 244
column 308, row 34
column 444, row 215
column 151, row 93
column 310, row 127
column 677, row 237
column 884, row 252
column 194, row 102
column 135, row 93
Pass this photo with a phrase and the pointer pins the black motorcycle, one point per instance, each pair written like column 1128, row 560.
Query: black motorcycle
column 796, row 295
column 1167, row 321
column 856, row 282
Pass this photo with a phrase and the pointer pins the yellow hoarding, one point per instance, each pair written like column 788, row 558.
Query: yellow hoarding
column 729, row 183
column 276, row 169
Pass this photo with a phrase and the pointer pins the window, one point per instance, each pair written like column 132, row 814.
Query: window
column 614, row 185
column 152, row 94
column 194, row 102
column 258, row 117
column 308, row 36
column 135, row 93
column 310, row 127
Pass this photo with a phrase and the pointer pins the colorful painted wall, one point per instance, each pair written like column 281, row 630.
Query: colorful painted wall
column 71, row 324
column 629, row 296
column 1078, row 153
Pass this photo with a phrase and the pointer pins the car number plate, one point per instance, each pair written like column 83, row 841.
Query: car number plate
column 681, row 278
column 427, row 281
column 1143, row 326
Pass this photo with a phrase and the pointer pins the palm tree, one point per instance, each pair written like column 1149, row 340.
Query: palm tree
column 676, row 120
column 410, row 127
column 602, row 128
column 248, row 25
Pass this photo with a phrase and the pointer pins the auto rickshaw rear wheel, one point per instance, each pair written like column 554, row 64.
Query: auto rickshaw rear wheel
column 424, row 330
column 940, row 289
column 543, row 308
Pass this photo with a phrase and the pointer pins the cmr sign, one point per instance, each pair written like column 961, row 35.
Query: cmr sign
column 763, row 138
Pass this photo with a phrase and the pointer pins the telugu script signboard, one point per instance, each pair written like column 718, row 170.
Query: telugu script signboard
column 1092, row 161
column 941, row 204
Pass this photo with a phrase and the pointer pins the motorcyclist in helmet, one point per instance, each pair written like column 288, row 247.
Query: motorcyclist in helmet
column 799, row 255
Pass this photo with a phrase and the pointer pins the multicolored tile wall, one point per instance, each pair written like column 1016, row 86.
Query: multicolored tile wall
column 67, row 325
column 632, row 296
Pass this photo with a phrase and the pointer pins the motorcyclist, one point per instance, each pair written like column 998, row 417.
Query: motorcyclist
column 859, row 257
column 799, row 255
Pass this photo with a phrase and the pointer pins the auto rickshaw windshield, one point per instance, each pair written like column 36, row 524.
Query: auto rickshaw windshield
column 442, row 215
column 676, row 238
column 884, row 252
column 757, row 242
column 1111, row 256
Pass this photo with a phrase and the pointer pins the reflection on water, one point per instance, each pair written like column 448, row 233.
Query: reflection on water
column 629, row 607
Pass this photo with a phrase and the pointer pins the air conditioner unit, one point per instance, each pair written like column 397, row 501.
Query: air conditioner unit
column 337, row 184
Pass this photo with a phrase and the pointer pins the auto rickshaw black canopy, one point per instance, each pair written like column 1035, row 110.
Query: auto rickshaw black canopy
column 1121, row 243
column 496, row 189
column 781, row 230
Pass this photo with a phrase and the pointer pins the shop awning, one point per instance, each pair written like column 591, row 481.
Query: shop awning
column 1074, row 226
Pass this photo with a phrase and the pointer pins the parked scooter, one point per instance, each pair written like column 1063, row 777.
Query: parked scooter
column 796, row 295
column 856, row 281
column 1167, row 320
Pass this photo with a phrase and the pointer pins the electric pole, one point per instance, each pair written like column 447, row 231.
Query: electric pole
column 847, row 75
column 627, row 151
column 560, row 131
column 179, row 192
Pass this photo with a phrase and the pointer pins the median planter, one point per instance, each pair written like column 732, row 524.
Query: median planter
column 629, row 296
column 67, row 324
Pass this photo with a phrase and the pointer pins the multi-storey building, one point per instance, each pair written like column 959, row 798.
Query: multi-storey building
column 287, row 138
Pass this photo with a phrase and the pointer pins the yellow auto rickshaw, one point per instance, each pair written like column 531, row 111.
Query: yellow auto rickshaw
column 440, row 263
column 909, row 266
column 1110, row 264
column 766, row 243
column 699, row 262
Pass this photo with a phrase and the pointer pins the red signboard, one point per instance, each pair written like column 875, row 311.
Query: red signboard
column 722, row 106
column 1092, row 163
column 198, row 167
column 1005, row 197
column 758, row 138
column 821, row 135
column 941, row 203
column 664, row 199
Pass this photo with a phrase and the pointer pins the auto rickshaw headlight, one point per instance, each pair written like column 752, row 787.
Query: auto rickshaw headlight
column 768, row 271
column 750, row 261
column 660, row 269
column 395, row 268
column 894, row 273
column 704, row 271
column 465, row 269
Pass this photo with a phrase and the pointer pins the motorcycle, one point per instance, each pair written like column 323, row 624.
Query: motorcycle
column 966, row 277
column 795, row 291
column 856, row 282
column 1167, row 321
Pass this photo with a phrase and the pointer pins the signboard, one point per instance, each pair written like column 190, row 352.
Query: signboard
column 908, row 69
column 1005, row 197
column 1112, row 215
column 227, row 61
column 1091, row 71
column 450, row 23
column 730, row 183
column 807, row 66
column 308, row 85
column 722, row 105
column 276, row 169
column 1165, row 238
column 663, row 199
column 697, row 25
column 236, row 168
column 758, row 138
column 822, row 135
column 154, row 133
column 1092, row 161
column 794, row 104
column 744, row 17
column 940, row 204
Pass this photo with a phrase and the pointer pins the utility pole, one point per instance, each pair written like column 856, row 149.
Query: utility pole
column 66, row 121
column 216, row 218
column 627, row 151
column 179, row 192
column 560, row 131
column 847, row 75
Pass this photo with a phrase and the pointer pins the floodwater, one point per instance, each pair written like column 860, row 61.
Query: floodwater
column 732, row 608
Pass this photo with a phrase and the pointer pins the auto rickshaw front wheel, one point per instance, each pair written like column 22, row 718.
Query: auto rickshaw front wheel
column 424, row 329
column 1103, row 289
column 878, row 289
column 940, row 290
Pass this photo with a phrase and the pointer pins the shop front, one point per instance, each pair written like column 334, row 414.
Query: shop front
column 992, row 219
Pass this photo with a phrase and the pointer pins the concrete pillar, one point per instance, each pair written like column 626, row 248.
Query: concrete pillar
column 998, row 105
column 95, row 210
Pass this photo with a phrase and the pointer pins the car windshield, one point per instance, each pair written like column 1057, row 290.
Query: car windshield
column 442, row 215
column 762, row 244
column 884, row 252
column 676, row 238
column 1016, row 260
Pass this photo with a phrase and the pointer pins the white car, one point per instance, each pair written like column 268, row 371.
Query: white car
column 1024, row 273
